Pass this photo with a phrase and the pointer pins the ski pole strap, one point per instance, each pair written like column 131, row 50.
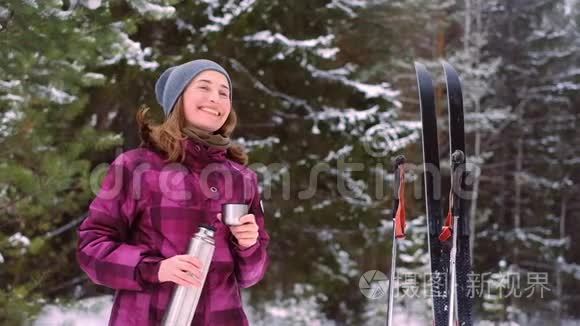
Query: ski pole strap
column 400, row 215
column 447, row 230
column 457, row 158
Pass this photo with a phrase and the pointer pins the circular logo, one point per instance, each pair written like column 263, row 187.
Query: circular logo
column 373, row 284
column 380, row 139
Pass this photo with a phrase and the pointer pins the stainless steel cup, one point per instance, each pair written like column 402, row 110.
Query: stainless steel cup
column 231, row 213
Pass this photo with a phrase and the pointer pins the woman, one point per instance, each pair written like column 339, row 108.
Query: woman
column 153, row 199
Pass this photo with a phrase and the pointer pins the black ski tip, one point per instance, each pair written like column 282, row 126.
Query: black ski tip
column 448, row 68
column 399, row 159
column 458, row 157
column 446, row 65
column 419, row 66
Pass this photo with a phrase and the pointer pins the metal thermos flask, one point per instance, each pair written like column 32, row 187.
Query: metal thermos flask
column 184, row 299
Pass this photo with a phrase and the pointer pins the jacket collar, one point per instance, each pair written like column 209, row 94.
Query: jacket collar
column 198, row 154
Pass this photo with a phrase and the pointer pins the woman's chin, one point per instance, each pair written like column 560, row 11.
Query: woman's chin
column 209, row 127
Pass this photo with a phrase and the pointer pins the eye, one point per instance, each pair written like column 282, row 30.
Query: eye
column 204, row 88
column 224, row 94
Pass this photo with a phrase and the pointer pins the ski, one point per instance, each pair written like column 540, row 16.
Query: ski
column 461, row 268
column 432, row 174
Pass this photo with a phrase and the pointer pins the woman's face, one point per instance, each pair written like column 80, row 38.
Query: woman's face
column 206, row 101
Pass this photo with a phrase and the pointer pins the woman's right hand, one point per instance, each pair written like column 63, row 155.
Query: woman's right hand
column 181, row 269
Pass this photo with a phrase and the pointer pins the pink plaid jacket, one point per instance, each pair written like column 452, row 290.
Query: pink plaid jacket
column 148, row 210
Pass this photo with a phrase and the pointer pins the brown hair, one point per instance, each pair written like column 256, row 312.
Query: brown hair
column 167, row 136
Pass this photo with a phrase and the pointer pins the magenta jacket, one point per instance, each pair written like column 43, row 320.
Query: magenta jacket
column 148, row 210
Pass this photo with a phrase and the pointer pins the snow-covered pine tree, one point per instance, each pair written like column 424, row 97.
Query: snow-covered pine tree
column 52, row 54
column 529, row 178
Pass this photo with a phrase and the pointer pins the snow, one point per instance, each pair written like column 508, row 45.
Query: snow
column 385, row 133
column 341, row 153
column 152, row 10
column 4, row 15
column 232, row 10
column 568, row 7
column 327, row 53
column 93, row 79
column 56, row 12
column 540, row 58
column 320, row 45
column 349, row 115
column 55, row 95
column 350, row 190
column 12, row 98
column 111, row 115
column 183, row 25
column 250, row 145
column 93, row 311
column 272, row 174
column 269, row 38
column 382, row 90
column 322, row 204
column 347, row 6
column 570, row 268
column 315, row 130
column 92, row 4
column 300, row 307
column 130, row 50
column 93, row 121
column 539, row 182
column 557, row 87
column 489, row 120
column 9, row 84
column 32, row 3
column 344, row 260
column 18, row 239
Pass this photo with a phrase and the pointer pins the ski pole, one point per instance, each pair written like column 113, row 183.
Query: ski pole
column 398, row 228
column 457, row 158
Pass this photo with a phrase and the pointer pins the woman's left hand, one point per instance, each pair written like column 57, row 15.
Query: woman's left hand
column 247, row 232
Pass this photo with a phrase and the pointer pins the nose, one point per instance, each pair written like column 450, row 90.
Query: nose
column 213, row 96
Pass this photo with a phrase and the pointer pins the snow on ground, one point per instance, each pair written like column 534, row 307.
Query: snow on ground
column 95, row 312
column 87, row 312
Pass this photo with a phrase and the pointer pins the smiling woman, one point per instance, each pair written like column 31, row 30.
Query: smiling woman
column 135, row 240
column 207, row 101
column 202, row 109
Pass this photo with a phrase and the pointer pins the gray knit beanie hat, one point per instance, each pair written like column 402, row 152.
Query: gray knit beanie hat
column 174, row 80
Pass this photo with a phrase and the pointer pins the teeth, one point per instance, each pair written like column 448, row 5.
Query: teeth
column 210, row 111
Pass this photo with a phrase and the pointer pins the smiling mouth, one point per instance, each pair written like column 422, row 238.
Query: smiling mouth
column 210, row 111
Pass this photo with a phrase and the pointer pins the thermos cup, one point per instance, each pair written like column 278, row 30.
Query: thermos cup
column 231, row 213
column 184, row 299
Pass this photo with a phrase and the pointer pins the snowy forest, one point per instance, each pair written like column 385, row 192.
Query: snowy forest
column 316, row 85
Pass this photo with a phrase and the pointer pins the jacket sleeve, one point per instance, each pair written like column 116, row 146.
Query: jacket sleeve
column 251, row 263
column 103, row 252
